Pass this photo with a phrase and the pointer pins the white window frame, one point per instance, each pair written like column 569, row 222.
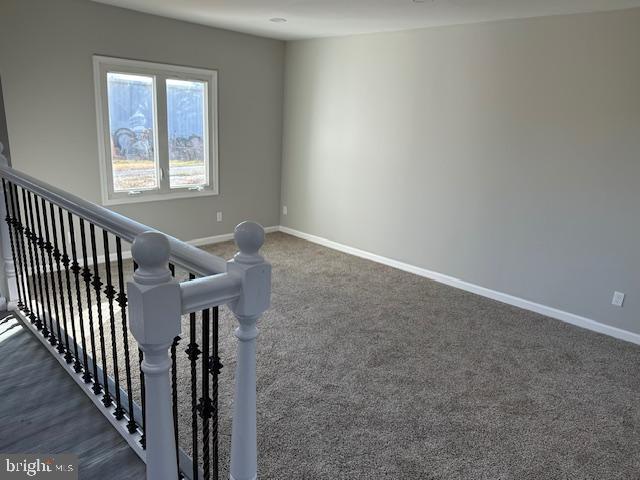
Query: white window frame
column 160, row 73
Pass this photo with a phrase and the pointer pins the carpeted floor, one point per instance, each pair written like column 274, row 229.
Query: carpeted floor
column 367, row 372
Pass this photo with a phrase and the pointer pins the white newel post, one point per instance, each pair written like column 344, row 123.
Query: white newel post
column 7, row 256
column 255, row 274
column 154, row 309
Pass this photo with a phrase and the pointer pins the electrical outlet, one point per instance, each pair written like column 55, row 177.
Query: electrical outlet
column 219, row 216
column 618, row 299
column 284, row 210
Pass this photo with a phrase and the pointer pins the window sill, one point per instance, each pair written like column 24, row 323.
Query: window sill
column 155, row 197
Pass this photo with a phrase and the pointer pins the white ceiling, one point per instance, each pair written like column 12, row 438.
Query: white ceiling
column 323, row 18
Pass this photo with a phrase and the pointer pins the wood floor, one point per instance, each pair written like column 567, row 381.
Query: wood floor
column 42, row 410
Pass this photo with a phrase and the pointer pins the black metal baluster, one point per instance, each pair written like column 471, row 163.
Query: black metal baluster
column 122, row 302
column 49, row 249
column 192, row 352
column 143, row 439
column 204, row 405
column 66, row 261
column 22, row 259
column 174, row 396
column 21, row 249
column 86, row 276
column 75, row 268
column 110, row 293
column 43, row 247
column 97, row 286
column 9, row 220
column 62, row 348
column 29, row 266
column 214, row 368
column 40, row 323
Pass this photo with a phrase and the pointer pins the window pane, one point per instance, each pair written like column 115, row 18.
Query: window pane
column 186, row 123
column 131, row 123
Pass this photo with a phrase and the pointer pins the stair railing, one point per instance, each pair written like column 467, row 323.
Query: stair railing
column 49, row 247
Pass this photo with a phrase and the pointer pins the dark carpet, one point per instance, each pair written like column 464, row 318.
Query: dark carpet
column 367, row 372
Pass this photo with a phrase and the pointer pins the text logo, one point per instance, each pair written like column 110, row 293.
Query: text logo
column 38, row 466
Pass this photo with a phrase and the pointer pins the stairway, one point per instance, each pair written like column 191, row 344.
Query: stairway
column 44, row 411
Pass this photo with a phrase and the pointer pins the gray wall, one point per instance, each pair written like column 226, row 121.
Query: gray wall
column 506, row 154
column 46, row 67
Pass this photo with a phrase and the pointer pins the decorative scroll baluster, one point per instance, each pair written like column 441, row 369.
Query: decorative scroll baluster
column 62, row 348
column 22, row 253
column 66, row 261
column 143, row 438
column 174, row 394
column 86, row 276
column 122, row 302
column 204, row 403
column 110, row 293
column 43, row 247
column 193, row 352
column 97, row 286
column 75, row 268
column 39, row 300
column 39, row 242
column 22, row 260
column 49, row 249
column 11, row 228
column 30, row 265
column 214, row 368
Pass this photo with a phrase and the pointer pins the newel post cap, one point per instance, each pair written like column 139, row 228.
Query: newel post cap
column 154, row 295
column 249, row 237
column 151, row 251
column 253, row 270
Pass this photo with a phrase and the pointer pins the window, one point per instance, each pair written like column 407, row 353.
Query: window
column 157, row 130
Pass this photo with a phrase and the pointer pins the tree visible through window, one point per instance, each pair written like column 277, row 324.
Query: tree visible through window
column 158, row 128
column 186, row 124
column 131, row 124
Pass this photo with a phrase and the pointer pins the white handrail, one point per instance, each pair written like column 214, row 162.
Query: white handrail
column 207, row 292
column 186, row 256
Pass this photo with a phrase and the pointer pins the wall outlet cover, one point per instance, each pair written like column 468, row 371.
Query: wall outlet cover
column 219, row 216
column 284, row 210
column 618, row 299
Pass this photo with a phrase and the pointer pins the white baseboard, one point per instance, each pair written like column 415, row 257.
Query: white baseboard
column 561, row 315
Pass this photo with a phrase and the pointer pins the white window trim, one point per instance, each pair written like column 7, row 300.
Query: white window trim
column 102, row 64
